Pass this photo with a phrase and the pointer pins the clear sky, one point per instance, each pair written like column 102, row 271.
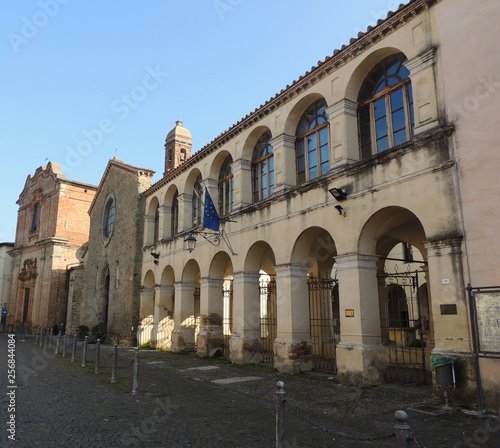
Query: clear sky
column 83, row 80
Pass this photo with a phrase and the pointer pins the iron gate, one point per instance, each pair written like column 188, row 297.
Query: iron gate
column 324, row 322
column 227, row 319
column 268, row 323
column 402, row 327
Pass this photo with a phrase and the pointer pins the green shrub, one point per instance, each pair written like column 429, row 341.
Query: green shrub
column 82, row 331
column 98, row 331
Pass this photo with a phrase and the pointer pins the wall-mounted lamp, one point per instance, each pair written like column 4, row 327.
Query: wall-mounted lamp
column 339, row 193
column 190, row 242
column 341, row 210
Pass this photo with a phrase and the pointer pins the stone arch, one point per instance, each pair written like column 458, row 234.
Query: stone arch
column 316, row 248
column 169, row 195
column 217, row 163
column 388, row 227
column 364, row 67
column 104, row 295
column 221, row 266
column 259, row 257
column 251, row 141
column 190, row 181
column 298, row 109
column 191, row 272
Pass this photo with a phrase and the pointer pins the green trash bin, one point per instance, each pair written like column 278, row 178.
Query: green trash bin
column 445, row 370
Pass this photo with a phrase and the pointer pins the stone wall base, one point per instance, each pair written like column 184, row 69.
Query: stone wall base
column 293, row 355
column 183, row 340
column 360, row 364
column 245, row 349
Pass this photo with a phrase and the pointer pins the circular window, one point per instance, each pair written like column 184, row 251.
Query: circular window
column 108, row 218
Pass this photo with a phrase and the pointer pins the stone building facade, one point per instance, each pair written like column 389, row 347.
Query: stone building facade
column 345, row 214
column 5, row 270
column 52, row 225
column 108, row 289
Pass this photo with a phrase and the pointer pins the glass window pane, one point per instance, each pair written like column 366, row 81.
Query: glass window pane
column 325, row 167
column 313, row 172
column 311, row 142
column 271, row 182
column 324, row 154
column 397, row 100
column 301, row 164
column 382, row 144
column 271, row 163
column 398, row 120
column 301, row 177
column 366, row 151
column 379, row 107
column 400, row 137
column 364, row 115
column 365, row 135
column 323, row 136
column 300, row 147
column 312, row 159
column 381, row 127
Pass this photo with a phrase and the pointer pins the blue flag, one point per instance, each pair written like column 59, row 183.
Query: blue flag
column 210, row 215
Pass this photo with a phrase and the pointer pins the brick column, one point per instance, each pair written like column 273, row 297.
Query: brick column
column 292, row 346
column 245, row 345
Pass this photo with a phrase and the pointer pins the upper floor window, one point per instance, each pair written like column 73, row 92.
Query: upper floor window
column 156, row 229
column 312, row 142
column 109, row 217
column 263, row 168
column 174, row 215
column 226, row 187
column 197, row 207
column 34, row 221
column 385, row 112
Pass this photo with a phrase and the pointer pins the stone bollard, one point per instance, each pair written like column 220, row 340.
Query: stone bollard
column 58, row 342
column 115, row 364
column 73, row 354
column 46, row 338
column 36, row 339
column 65, row 341
column 84, row 356
column 280, row 414
column 50, row 338
column 97, row 356
column 135, row 386
column 402, row 429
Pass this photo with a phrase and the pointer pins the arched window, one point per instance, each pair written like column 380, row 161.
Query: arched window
column 108, row 219
column 263, row 168
column 385, row 113
column 312, row 143
column 156, row 229
column 34, row 221
column 174, row 215
column 226, row 187
column 197, row 208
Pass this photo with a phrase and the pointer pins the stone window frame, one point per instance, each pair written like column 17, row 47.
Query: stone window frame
column 105, row 231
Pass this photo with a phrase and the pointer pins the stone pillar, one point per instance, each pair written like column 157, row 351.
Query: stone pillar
column 424, row 91
column 285, row 170
column 360, row 353
column 210, row 337
column 165, row 227
column 212, row 185
column 163, row 313
column 343, row 139
column 242, row 170
column 149, row 222
column 147, row 303
column 245, row 345
column 292, row 346
column 185, row 211
column 185, row 322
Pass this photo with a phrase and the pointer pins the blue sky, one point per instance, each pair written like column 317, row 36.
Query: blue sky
column 83, row 80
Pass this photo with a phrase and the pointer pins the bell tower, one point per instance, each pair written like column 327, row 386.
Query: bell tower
column 178, row 147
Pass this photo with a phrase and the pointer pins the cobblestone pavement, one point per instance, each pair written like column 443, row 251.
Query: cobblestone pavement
column 184, row 401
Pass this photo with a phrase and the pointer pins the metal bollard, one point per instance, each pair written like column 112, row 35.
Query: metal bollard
column 36, row 339
column 84, row 357
column 280, row 414
column 58, row 342
column 135, row 386
column 115, row 364
column 46, row 338
column 40, row 342
column 97, row 356
column 74, row 349
column 50, row 338
column 65, row 341
column 402, row 429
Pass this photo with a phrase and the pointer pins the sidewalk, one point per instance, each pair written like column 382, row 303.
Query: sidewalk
column 185, row 401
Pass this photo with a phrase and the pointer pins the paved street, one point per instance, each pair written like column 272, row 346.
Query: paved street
column 184, row 401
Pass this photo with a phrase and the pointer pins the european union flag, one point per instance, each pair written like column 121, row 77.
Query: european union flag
column 210, row 215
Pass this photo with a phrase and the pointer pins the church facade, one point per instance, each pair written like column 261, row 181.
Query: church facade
column 344, row 215
column 52, row 225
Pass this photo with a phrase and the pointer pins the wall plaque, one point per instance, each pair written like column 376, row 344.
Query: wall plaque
column 349, row 313
column 449, row 309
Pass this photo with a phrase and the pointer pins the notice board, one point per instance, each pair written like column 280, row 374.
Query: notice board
column 488, row 320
